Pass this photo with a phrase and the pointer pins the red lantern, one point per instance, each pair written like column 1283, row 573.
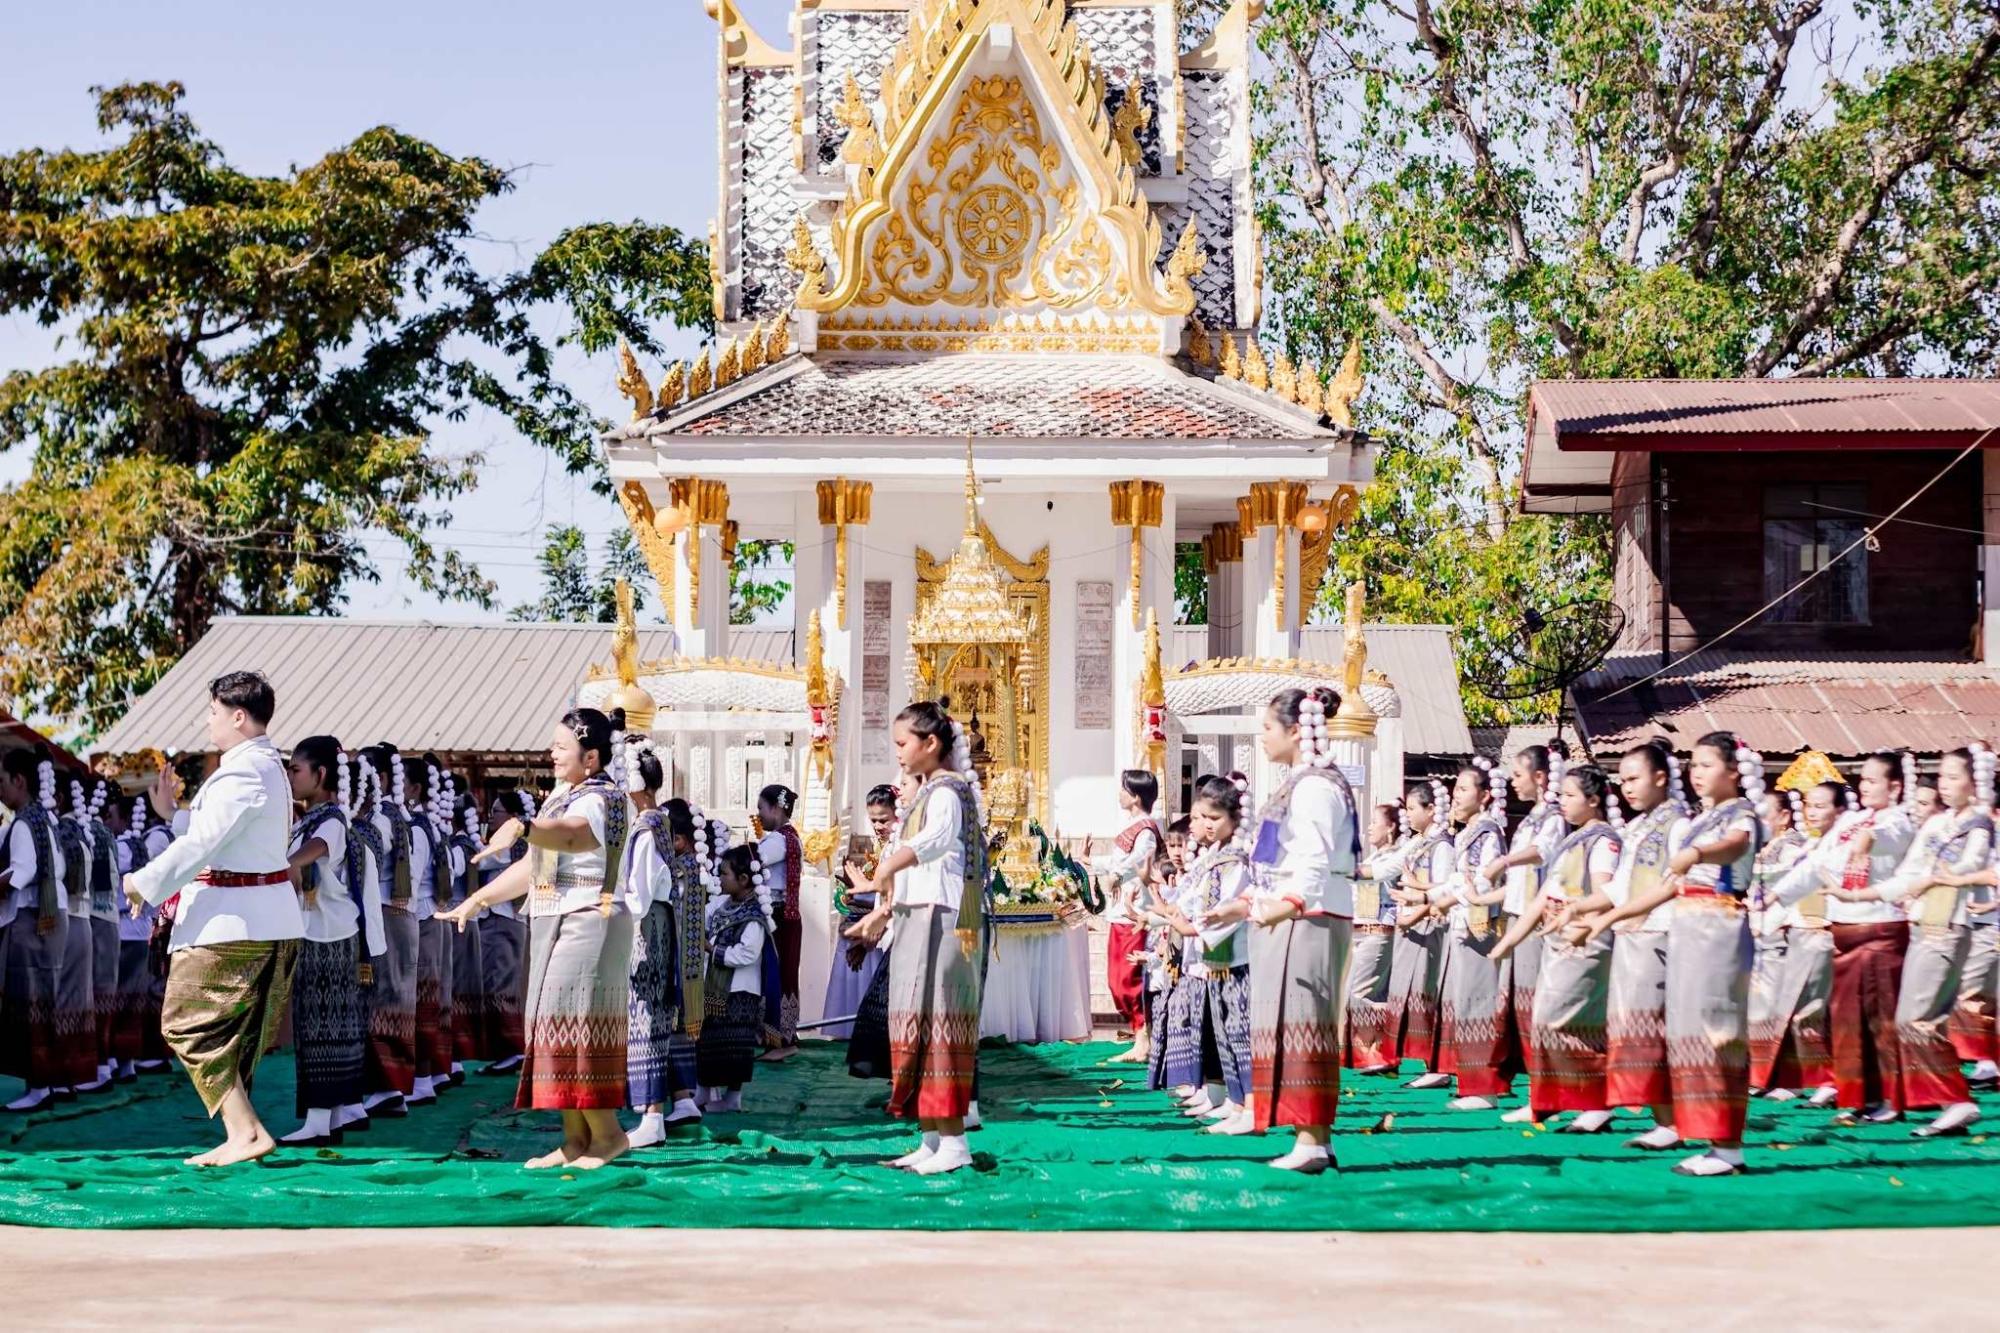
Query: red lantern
column 1156, row 724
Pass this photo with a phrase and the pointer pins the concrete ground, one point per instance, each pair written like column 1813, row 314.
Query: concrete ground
column 748, row 1281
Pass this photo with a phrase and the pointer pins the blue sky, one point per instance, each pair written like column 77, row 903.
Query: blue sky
column 608, row 110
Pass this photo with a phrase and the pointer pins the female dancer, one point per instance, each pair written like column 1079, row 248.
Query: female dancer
column 1477, row 1049
column 580, row 943
column 1416, row 978
column 742, row 986
column 784, row 868
column 1788, row 1048
column 1308, row 843
column 1222, row 874
column 1371, row 1036
column 855, row 969
column 654, row 1004
column 1573, row 984
column 503, row 942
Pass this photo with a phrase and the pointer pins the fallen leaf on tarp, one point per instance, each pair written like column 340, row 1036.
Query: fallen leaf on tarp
column 1897, row 1183
column 1382, row 1126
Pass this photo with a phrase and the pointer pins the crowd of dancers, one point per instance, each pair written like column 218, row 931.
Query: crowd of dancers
column 1658, row 939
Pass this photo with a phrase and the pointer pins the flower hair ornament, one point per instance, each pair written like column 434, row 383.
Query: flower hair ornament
column 760, row 880
column 1797, row 802
column 342, row 786
column 138, row 812
column 706, row 850
column 1983, row 763
column 439, row 805
column 1440, row 802
column 1750, row 773
column 1910, row 775
column 1402, row 821
column 79, row 804
column 627, row 766
column 470, row 821
column 1558, row 768
column 1496, row 782
column 98, row 796
column 1676, row 791
column 45, row 784
column 398, row 784
column 1315, row 749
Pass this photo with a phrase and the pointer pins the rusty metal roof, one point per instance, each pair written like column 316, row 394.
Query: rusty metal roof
column 1846, row 705
column 474, row 688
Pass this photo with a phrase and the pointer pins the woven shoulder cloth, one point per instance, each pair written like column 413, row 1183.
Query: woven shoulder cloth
column 103, row 868
column 1709, row 825
column 399, row 850
column 308, row 827
column 1271, row 819
column 76, row 860
column 42, row 836
column 1570, row 866
column 552, row 871
column 971, row 840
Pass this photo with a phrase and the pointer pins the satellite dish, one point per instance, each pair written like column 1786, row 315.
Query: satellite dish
column 1549, row 651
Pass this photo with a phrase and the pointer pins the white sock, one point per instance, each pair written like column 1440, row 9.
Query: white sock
column 29, row 1098
column 1825, row 1096
column 952, row 1154
column 1881, row 1113
column 1986, row 1069
column 1589, row 1122
column 1430, row 1080
column 424, row 1088
column 1659, row 1136
column 923, row 1150
column 1780, row 1095
column 375, row 1099
column 126, row 1069
column 972, row 1118
column 1520, row 1115
column 1714, row 1162
column 318, row 1124
column 1956, row 1116
column 651, row 1130
column 731, row 1100
column 1301, row 1155
column 684, row 1108
column 349, row 1114
column 1469, row 1104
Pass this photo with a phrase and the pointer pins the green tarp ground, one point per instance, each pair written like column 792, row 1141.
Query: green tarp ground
column 1070, row 1144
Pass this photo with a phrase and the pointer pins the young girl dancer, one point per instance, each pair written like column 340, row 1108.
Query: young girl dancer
column 854, row 967
column 1221, row 874
column 743, row 980
column 783, row 857
column 1417, row 970
column 1371, row 1039
column 1477, row 1046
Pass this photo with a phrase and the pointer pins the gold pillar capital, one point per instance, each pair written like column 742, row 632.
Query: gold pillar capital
column 843, row 501
column 706, row 503
column 1222, row 546
column 1137, row 504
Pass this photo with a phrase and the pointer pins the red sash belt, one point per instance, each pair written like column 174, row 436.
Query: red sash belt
column 243, row 879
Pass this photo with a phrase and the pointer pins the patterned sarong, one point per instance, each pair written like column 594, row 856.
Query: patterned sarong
column 329, row 1025
column 1931, row 972
column 104, row 982
column 1789, row 1048
column 868, row 1044
column 1479, row 1046
column 1635, row 1022
column 1298, row 1010
column 502, row 941
column 1709, row 956
column 135, row 1001
column 223, row 1007
column 433, row 1052
column 1229, row 1019
column 654, row 1008
column 1371, row 1039
column 1519, row 976
column 1158, row 1004
column 1567, row 1036
column 1867, row 979
column 789, row 936
column 29, row 1049
column 1767, row 1025
column 933, row 1016
column 1187, row 1024
column 579, row 988
column 468, row 993
column 1972, row 1018
column 76, row 1005
column 726, row 1054
column 847, row 986
column 1416, row 970
column 392, row 1007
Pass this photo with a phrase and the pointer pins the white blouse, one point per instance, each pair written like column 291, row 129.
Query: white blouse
column 1315, row 864
column 938, row 877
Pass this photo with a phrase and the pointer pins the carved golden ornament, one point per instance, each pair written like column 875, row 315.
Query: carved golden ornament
column 728, row 366
column 1284, row 380
column 753, row 349
column 657, row 549
column 1200, row 350
column 818, row 697
column 1137, row 504
column 778, row 341
column 861, row 147
column 1223, row 545
column 842, row 502
column 1231, row 367
column 728, row 541
column 894, row 216
column 639, row 707
column 819, row 845
column 1256, row 373
column 706, row 504
column 1152, row 694
column 717, row 285
column 1354, row 717
column 701, row 377
column 1346, row 387
column 1043, row 331
column 673, row 388
column 1316, row 542
column 969, row 608
column 1273, row 504
column 1132, row 116
column 632, row 381
column 1808, row 771
column 804, row 258
column 1186, row 263
column 740, row 43
column 1310, row 388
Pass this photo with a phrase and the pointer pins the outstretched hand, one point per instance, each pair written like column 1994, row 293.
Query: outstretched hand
column 502, row 840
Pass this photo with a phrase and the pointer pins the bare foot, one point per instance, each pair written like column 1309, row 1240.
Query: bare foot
column 234, row 1151
column 602, row 1152
column 570, row 1151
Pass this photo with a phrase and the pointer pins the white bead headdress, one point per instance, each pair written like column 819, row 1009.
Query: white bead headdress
column 1910, row 775
column 1614, row 809
column 707, row 850
column 1983, row 763
column 1676, row 792
column 1750, row 773
column 79, row 804
column 45, row 784
column 138, row 812
column 1440, row 803
column 98, row 796
column 439, row 804
column 527, row 801
column 1315, row 749
column 398, row 784
column 1558, row 767
column 759, row 880
column 1797, row 801
column 1496, row 782
column 961, row 764
column 343, row 787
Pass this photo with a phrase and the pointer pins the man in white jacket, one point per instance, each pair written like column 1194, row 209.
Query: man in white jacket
column 238, row 924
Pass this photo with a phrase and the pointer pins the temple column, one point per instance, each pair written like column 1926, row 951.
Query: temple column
column 704, row 547
column 1272, row 609
column 1222, row 555
column 1148, row 565
column 1989, row 559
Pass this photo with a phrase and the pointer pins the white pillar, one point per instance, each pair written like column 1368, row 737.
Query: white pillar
column 1989, row 561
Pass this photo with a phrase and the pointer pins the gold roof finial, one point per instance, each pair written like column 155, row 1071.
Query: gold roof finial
column 970, row 605
column 1346, row 387
column 632, row 381
column 971, row 493
column 1354, row 717
column 1186, row 262
column 640, row 710
column 1310, row 388
column 674, row 387
column 1152, row 684
column 1256, row 373
column 1284, row 380
column 701, row 377
column 778, row 341
column 804, row 257
column 862, row 147
column 816, row 694
column 1200, row 350
column 753, row 349
column 1232, row 368
column 727, row 366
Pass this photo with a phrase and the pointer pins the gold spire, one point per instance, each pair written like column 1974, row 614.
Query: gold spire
column 1256, row 373
column 1310, row 388
column 1284, row 381
column 1132, row 116
column 727, row 366
column 1185, row 263
column 674, row 387
column 970, row 605
column 1346, row 387
column 753, row 349
column 632, row 381
column 701, row 377
column 1354, row 717
column 1232, row 369
column 778, row 341
column 640, row 710
column 1200, row 350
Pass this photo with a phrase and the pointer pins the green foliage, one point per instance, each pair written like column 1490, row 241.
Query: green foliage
column 1190, row 584
column 749, row 595
column 254, row 366
column 571, row 593
column 1485, row 193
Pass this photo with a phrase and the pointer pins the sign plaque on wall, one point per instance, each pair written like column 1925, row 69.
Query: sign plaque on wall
column 1094, row 689
column 875, row 707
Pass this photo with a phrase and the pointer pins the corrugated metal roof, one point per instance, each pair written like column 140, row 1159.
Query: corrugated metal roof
column 1619, row 408
column 1846, row 705
column 1419, row 660
column 425, row 686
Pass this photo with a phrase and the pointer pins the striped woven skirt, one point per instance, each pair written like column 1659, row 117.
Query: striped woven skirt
column 1298, row 1013
column 1789, row 1047
column 1187, row 1024
column 1370, row 1035
column 789, row 937
column 654, row 1008
column 29, row 1049
column 845, row 986
column 579, row 988
column 329, row 1025
column 1229, row 1020
column 76, row 1005
column 135, row 1001
column 104, row 981
column 1519, row 975
column 502, row 942
column 1567, row 1036
column 1867, row 987
column 392, row 1007
column 1931, row 972
column 468, row 993
column 1478, row 1044
column 224, row 1005
column 1416, row 972
column 1159, row 1003
column 1972, row 1018
column 1635, row 1022
column 433, row 1022
column 933, row 1016
column 726, row 1054
column 1709, row 956
column 868, row 1044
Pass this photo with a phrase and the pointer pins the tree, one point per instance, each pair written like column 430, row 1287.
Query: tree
column 1486, row 192
column 749, row 595
column 570, row 593
column 255, row 364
